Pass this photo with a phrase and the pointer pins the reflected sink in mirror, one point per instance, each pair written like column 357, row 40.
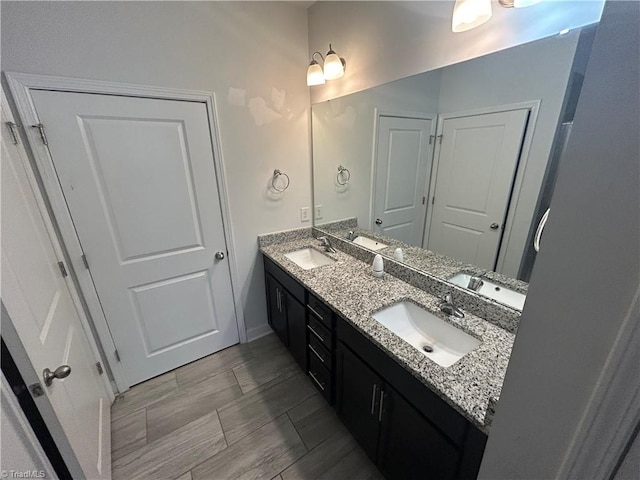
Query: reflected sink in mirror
column 492, row 290
column 369, row 243
column 309, row 258
column 433, row 337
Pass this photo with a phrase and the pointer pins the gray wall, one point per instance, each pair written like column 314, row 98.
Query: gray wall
column 587, row 270
column 213, row 46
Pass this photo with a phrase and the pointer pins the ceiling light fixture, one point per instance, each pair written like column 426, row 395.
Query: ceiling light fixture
column 517, row 3
column 468, row 14
column 333, row 68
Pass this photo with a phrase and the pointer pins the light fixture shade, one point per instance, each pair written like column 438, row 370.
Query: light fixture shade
column 315, row 76
column 468, row 14
column 333, row 67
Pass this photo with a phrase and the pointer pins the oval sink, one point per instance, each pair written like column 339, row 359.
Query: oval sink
column 433, row 337
column 492, row 290
column 369, row 243
column 308, row 258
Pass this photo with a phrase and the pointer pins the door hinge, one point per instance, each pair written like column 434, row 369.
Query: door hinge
column 117, row 355
column 440, row 137
column 424, row 200
column 63, row 269
column 433, row 200
column 40, row 127
column 431, row 137
column 99, row 367
column 12, row 130
column 84, row 260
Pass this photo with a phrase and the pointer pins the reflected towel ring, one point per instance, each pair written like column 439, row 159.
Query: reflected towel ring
column 277, row 173
column 341, row 171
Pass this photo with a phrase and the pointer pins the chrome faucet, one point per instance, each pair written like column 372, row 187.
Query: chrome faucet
column 475, row 283
column 324, row 242
column 449, row 308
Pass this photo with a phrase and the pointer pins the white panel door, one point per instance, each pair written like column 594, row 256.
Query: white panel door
column 40, row 304
column 139, row 179
column 403, row 162
column 475, row 172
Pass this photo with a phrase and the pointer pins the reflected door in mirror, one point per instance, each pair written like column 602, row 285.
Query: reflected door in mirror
column 475, row 169
column 403, row 164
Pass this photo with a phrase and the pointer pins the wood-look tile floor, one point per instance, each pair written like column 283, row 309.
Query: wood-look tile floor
column 246, row 412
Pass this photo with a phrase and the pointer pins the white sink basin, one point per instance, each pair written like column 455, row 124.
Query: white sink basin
column 309, row 258
column 421, row 329
column 492, row 290
column 369, row 243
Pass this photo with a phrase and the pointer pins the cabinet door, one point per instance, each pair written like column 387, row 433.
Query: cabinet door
column 297, row 332
column 358, row 391
column 410, row 446
column 276, row 298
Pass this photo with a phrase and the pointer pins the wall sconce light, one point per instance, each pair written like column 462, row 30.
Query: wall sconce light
column 468, row 14
column 333, row 68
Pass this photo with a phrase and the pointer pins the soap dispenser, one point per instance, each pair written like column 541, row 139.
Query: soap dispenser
column 378, row 266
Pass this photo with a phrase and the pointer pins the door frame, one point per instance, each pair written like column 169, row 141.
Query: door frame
column 380, row 112
column 534, row 108
column 21, row 85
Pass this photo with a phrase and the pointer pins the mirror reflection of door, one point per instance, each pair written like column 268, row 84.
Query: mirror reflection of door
column 475, row 169
column 402, row 167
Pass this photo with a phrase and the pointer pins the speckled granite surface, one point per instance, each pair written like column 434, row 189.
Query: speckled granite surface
column 351, row 290
column 284, row 236
column 488, row 309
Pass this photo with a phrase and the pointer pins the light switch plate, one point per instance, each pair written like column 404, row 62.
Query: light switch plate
column 305, row 214
column 318, row 214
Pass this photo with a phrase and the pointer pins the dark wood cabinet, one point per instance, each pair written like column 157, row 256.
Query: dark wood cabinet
column 277, row 315
column 358, row 399
column 404, row 427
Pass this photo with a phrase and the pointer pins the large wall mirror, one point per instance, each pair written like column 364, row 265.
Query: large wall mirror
column 456, row 164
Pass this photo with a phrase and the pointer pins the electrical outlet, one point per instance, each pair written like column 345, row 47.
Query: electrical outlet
column 318, row 213
column 304, row 214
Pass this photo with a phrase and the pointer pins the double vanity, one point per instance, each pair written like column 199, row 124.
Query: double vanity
column 413, row 377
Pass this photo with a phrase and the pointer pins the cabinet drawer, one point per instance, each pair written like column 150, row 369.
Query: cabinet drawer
column 319, row 310
column 317, row 350
column 318, row 331
column 320, row 377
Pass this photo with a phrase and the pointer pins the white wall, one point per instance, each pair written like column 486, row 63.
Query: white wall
column 385, row 41
column 343, row 134
column 587, row 271
column 534, row 71
column 213, row 46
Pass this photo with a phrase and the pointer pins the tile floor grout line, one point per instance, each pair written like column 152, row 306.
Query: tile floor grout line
column 297, row 431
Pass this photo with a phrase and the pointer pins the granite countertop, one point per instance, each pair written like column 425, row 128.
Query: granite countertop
column 469, row 385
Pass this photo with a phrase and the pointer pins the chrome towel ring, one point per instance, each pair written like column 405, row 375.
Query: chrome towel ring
column 276, row 174
column 342, row 172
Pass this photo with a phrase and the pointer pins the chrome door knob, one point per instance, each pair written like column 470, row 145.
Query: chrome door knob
column 61, row 372
column 220, row 255
column 378, row 221
column 494, row 226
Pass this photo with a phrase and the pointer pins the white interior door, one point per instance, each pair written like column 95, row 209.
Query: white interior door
column 476, row 165
column 40, row 303
column 403, row 162
column 139, row 179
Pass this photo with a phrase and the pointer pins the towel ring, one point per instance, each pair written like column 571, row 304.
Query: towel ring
column 276, row 174
column 341, row 171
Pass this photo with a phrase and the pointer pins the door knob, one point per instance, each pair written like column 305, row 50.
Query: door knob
column 378, row 221
column 494, row 226
column 220, row 255
column 61, row 372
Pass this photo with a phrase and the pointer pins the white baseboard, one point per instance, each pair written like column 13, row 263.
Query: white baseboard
column 257, row 332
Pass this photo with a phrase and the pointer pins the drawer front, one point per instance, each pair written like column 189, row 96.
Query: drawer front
column 321, row 354
column 318, row 331
column 320, row 377
column 319, row 310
